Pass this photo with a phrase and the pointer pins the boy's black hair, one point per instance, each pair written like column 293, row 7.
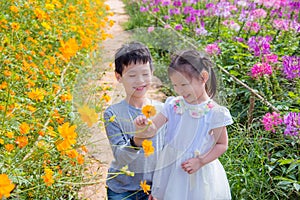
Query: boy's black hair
column 132, row 52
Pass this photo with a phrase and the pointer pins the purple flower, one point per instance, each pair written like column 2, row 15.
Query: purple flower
column 261, row 69
column 281, row 24
column 291, row 66
column 270, row 121
column 178, row 27
column 253, row 26
column 144, row 9
column 292, row 122
column 259, row 45
column 223, row 9
column 177, row 3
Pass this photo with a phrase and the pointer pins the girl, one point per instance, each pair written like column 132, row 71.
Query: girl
column 188, row 168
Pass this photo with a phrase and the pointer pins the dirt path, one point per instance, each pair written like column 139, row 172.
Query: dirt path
column 99, row 151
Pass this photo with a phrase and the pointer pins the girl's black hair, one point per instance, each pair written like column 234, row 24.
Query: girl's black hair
column 132, row 52
column 192, row 63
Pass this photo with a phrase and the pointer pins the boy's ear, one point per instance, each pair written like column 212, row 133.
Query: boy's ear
column 118, row 76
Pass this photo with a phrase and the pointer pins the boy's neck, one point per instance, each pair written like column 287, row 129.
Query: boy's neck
column 137, row 102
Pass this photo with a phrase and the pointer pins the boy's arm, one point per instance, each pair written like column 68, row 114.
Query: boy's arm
column 121, row 146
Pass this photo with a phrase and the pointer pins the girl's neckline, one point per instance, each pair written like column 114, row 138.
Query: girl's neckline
column 180, row 106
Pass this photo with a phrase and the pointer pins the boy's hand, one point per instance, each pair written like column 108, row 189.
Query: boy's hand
column 151, row 197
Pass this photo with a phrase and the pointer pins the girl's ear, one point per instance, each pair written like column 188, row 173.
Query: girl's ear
column 204, row 76
column 118, row 76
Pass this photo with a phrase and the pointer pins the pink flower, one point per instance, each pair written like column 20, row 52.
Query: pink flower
column 261, row 69
column 150, row 29
column 213, row 49
column 271, row 58
column 270, row 121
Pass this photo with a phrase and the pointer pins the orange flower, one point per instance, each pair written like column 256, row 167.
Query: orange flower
column 24, row 128
column 72, row 153
column 88, row 115
column 148, row 148
column 15, row 26
column 5, row 186
column 149, row 111
column 145, row 187
column 67, row 132
column 69, row 48
column 48, row 179
column 84, row 149
column 9, row 147
column 66, row 97
column 80, row 159
column 22, row 141
column 3, row 85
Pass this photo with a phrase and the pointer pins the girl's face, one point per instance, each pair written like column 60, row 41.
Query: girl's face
column 191, row 89
column 136, row 79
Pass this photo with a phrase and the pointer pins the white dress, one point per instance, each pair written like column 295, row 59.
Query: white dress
column 188, row 136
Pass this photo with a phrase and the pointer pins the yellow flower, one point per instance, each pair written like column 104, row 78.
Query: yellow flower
column 36, row 94
column 149, row 111
column 72, row 153
column 49, row 6
column 46, row 25
column 15, row 26
column 10, row 135
column 14, row 9
column 5, row 186
column 67, row 132
column 1, row 141
column 88, row 115
column 112, row 118
column 148, row 148
column 106, row 97
column 145, row 187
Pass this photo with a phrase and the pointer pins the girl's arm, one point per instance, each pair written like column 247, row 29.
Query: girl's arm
column 146, row 128
column 193, row 164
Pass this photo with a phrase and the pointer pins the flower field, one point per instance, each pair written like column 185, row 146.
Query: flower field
column 256, row 47
column 44, row 46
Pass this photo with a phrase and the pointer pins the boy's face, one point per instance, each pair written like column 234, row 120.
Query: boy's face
column 136, row 79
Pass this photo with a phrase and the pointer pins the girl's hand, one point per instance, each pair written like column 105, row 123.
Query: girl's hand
column 151, row 197
column 141, row 121
column 192, row 165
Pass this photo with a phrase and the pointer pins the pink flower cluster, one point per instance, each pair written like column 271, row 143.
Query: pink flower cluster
column 261, row 69
column 213, row 49
column 270, row 121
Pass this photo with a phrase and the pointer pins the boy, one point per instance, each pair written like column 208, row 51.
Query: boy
column 133, row 69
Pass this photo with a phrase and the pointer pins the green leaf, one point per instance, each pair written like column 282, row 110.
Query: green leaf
column 234, row 73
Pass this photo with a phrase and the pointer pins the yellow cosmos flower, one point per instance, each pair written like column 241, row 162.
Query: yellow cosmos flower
column 106, row 97
column 148, row 148
column 15, row 26
column 1, row 141
column 67, row 132
column 6, row 186
column 9, row 134
column 72, row 153
column 88, row 115
column 14, row 9
column 36, row 94
column 49, row 6
column 149, row 111
column 112, row 118
column 46, row 25
column 145, row 187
